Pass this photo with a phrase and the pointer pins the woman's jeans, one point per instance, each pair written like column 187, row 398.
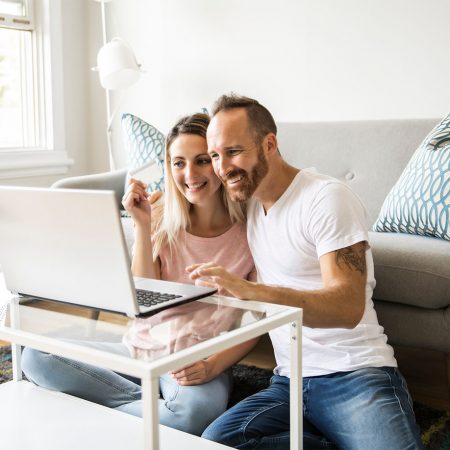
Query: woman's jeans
column 186, row 408
column 366, row 409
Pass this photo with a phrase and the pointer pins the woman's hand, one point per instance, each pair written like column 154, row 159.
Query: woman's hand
column 197, row 373
column 137, row 201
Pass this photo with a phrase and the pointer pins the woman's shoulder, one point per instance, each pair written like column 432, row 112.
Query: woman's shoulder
column 239, row 228
column 236, row 231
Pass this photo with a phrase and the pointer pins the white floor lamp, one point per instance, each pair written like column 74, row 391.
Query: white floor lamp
column 118, row 69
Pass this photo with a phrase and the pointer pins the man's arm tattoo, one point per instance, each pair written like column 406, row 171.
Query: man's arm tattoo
column 354, row 259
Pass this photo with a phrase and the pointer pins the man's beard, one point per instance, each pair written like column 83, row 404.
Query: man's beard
column 249, row 182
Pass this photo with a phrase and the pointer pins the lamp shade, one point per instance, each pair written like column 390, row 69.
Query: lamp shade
column 117, row 65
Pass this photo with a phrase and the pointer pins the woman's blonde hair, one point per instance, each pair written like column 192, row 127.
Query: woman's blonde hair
column 171, row 214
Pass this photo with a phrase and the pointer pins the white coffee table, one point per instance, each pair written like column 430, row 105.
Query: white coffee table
column 37, row 418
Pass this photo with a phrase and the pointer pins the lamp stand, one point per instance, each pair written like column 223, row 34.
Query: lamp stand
column 118, row 69
column 109, row 116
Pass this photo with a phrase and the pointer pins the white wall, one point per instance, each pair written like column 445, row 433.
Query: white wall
column 307, row 60
column 375, row 59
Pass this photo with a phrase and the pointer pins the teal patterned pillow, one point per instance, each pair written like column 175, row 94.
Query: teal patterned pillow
column 143, row 143
column 419, row 203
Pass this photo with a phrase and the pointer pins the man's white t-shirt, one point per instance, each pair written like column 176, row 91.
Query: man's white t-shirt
column 316, row 214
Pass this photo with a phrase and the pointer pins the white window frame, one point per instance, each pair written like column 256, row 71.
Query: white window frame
column 51, row 156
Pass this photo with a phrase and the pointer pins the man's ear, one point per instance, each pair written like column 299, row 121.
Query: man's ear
column 270, row 144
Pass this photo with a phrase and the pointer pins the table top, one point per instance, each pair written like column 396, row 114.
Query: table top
column 146, row 339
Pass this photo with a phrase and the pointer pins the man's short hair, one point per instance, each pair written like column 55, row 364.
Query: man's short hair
column 260, row 120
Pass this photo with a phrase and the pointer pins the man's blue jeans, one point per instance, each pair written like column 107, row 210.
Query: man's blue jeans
column 366, row 409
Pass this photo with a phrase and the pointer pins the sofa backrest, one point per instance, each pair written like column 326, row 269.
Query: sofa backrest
column 368, row 155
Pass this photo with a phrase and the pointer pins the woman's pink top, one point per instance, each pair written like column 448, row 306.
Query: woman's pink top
column 229, row 250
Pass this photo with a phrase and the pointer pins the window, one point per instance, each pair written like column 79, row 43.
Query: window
column 31, row 105
column 17, row 93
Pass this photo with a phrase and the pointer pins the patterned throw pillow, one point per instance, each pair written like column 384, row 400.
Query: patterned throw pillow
column 419, row 203
column 143, row 143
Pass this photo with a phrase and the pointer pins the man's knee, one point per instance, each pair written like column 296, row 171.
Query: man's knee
column 226, row 430
column 216, row 433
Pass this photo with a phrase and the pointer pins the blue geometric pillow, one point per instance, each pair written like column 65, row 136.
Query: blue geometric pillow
column 419, row 203
column 143, row 143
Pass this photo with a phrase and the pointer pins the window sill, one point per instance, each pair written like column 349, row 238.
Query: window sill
column 33, row 163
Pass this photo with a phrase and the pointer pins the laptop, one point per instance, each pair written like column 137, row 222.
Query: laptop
column 67, row 245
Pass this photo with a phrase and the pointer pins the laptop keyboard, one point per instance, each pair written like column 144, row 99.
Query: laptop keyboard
column 152, row 298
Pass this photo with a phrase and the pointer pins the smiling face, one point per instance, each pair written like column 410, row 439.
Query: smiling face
column 238, row 159
column 192, row 170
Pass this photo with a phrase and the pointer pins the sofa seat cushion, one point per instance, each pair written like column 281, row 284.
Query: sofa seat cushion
column 413, row 270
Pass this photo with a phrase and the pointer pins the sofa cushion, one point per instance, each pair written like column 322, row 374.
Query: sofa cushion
column 143, row 143
column 413, row 270
column 419, row 203
column 361, row 153
column 415, row 327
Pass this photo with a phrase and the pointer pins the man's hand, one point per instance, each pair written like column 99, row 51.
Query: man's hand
column 211, row 275
column 197, row 373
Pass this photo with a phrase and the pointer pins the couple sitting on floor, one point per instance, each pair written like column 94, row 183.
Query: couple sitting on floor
column 307, row 237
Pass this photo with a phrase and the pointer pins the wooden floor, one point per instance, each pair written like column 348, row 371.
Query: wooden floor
column 262, row 355
column 74, row 310
column 427, row 372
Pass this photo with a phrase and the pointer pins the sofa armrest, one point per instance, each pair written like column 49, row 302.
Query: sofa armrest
column 111, row 181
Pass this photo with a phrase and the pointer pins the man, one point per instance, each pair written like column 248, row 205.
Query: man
column 308, row 236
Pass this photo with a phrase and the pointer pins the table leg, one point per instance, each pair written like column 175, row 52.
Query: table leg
column 296, row 387
column 16, row 350
column 150, row 412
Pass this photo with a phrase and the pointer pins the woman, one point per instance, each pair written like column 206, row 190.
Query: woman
column 194, row 222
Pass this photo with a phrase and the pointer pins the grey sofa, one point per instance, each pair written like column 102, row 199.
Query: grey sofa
column 412, row 295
